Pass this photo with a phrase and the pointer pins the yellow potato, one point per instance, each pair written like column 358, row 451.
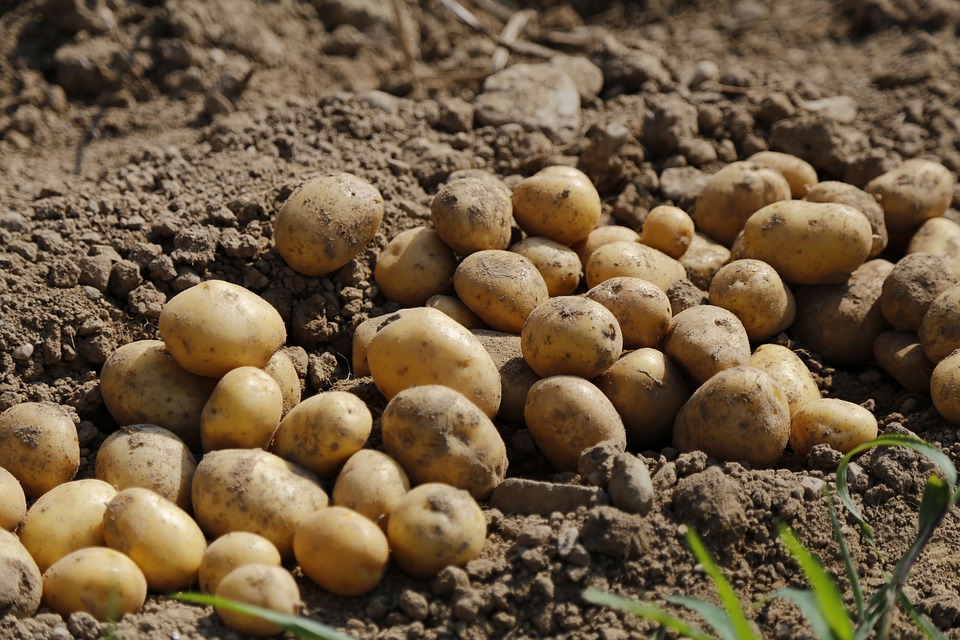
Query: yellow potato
column 912, row 193
column 800, row 174
column 704, row 258
column 13, row 502
column 733, row 194
column 217, row 326
column 326, row 222
column 453, row 307
column 945, row 387
column 342, row 551
column 242, row 412
column 231, row 551
column 603, row 235
column 21, row 586
column 909, row 290
column 501, row 287
column 705, row 340
column 261, row 585
column 901, row 355
column 323, row 431
column 842, row 425
column 38, row 446
column 940, row 328
column 557, row 263
column 848, row 194
column 571, row 335
column 415, row 265
column 281, row 368
column 938, row 237
column 788, row 371
column 564, row 208
column 634, row 260
column 371, row 483
column 472, row 214
column 516, row 376
column 641, row 308
column 669, row 229
column 753, row 291
column 96, row 580
column 364, row 333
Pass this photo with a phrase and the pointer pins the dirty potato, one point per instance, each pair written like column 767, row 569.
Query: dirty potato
column 705, row 340
column 753, row 291
column 371, row 483
column 911, row 287
column 558, row 264
column 668, row 229
column 413, row 266
column 841, row 424
column 901, row 355
column 280, row 367
column 634, row 260
column 242, row 412
column 800, row 174
column 231, row 551
column 502, row 287
column 13, row 502
column 454, row 307
column 602, row 235
column 945, row 387
column 570, row 335
column 472, row 214
column 912, row 193
column 703, row 259
column 38, row 446
column 788, row 371
column 940, row 328
column 641, row 308
column 21, row 586
column 733, row 194
column 516, row 376
column 843, row 193
column 938, row 237
column 96, row 580
column 564, row 208
column 261, row 585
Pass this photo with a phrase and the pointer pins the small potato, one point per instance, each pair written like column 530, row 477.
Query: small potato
column 647, row 390
column 516, row 376
column 281, row 368
column 454, row 307
column 669, row 229
column 738, row 414
column 13, row 502
column 733, row 194
column 323, row 431
column 38, row 446
column 438, row 435
column 66, row 518
column 641, row 308
column 563, row 208
column 567, row 415
column 472, row 214
column 21, row 586
column 501, row 287
column 326, row 222
column 371, row 483
column 231, row 551
column 945, row 387
column 800, row 174
column 557, row 263
column 434, row 526
column 753, row 291
column 261, row 585
column 415, row 265
column 427, row 347
column 634, row 260
column 938, row 237
column 703, row 259
column 901, row 355
column 364, row 333
column 342, row 551
column 940, row 328
column 159, row 536
column 96, row 580
column 809, row 242
column 705, row 340
column 150, row 457
column 603, row 235
column 243, row 411
column 915, row 282
column 571, row 335
column 912, row 193
column 843, row 193
column 141, row 383
column 842, row 425
column 788, row 372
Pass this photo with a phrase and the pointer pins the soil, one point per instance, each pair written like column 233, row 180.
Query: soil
column 146, row 146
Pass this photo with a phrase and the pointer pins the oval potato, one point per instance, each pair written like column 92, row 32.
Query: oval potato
column 912, row 193
column 733, row 194
column 800, row 174
column 501, row 287
column 564, row 208
column 668, row 229
column 634, row 260
column 261, row 585
column 96, row 580
column 371, row 483
column 842, row 425
column 280, row 367
column 454, row 307
column 911, row 287
column 945, row 387
column 788, row 371
column 641, row 308
column 243, row 411
column 940, row 327
column 413, row 266
column 570, row 335
column 231, row 551
column 13, row 502
column 843, row 193
column 602, row 235
column 938, row 237
column 558, row 264
column 753, row 291
column 20, row 578
column 705, row 340
column 38, row 446
column 472, row 214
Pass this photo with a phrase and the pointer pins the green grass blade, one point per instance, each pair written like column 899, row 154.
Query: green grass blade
column 646, row 611
column 806, row 601
column 848, row 565
column 718, row 619
column 923, row 622
column 301, row 627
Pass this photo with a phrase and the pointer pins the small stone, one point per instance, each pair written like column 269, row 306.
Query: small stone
column 414, row 605
column 812, row 487
column 539, row 97
column 682, row 184
column 23, row 353
column 841, row 109
column 705, row 71
column 630, row 486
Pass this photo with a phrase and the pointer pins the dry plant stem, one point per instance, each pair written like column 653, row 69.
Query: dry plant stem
column 509, row 35
column 519, row 46
column 403, row 37
column 494, row 7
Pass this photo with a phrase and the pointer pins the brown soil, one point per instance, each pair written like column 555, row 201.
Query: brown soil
column 145, row 146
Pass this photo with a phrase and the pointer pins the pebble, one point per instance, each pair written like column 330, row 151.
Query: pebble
column 538, row 97
column 630, row 486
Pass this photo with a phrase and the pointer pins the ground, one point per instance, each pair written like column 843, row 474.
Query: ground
column 146, row 146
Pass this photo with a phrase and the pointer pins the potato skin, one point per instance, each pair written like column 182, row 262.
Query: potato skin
column 600, row 236
column 454, row 307
column 901, row 355
column 21, row 586
column 635, row 260
column 843, row 193
column 281, row 368
column 705, row 340
column 415, row 265
column 243, row 411
column 95, row 580
column 371, row 483
column 501, row 287
column 733, row 194
column 13, row 502
column 558, row 264
column 911, row 287
column 261, row 585
column 939, row 237
column 231, row 551
column 668, row 229
column 641, row 308
column 38, row 446
column 940, row 328
column 753, row 291
column 945, row 387
column 912, row 193
column 472, row 214
column 841, row 424
column 788, row 372
column 570, row 335
column 800, row 174
column 560, row 207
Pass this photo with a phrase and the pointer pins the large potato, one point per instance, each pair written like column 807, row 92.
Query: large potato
column 233, row 550
column 371, row 483
column 21, row 587
column 842, row 425
column 945, row 387
column 217, row 326
column 438, row 435
column 668, row 229
column 252, row 490
column 571, row 335
column 635, row 260
column 261, row 585
column 603, row 235
column 788, row 371
column 901, row 355
column 415, row 265
column 561, row 207
column 428, row 347
column 39, row 446
column 567, row 415
column 912, row 193
column 940, row 328
column 141, row 383
column 641, row 308
column 501, row 287
column 472, row 214
column 733, row 194
column 13, row 502
column 753, row 291
column 809, row 242
column 843, row 193
column 909, row 290
column 703, row 259
column 516, row 376
column 938, row 237
column 739, row 414
column 558, row 264
column 96, row 580
column 705, row 340
column 800, row 174
column 326, row 222
column 242, row 412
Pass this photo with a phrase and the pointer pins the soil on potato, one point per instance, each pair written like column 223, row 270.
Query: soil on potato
column 146, row 146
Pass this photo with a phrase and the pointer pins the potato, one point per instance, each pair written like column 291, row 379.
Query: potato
column 38, row 446
column 564, row 208
column 753, row 291
column 788, row 372
column 242, row 412
column 415, row 265
column 429, row 348
column 641, row 308
column 13, row 502
column 843, row 193
column 733, row 194
column 901, row 355
column 738, row 414
column 516, row 376
column 705, row 340
column 454, row 307
column 280, row 367
column 364, row 333
column 633, row 260
column 567, row 415
column 342, row 551
column 940, row 328
column 501, row 287
column 912, row 193
column 809, row 242
column 326, row 222
column 603, row 235
column 438, row 435
column 231, row 551
column 647, row 390
column 842, row 425
column 96, row 580
column 557, row 263
column 566, row 171
column 915, row 282
column 938, row 237
column 159, row 536
column 217, row 326
column 21, row 586
column 261, row 585
column 371, row 483
column 800, row 174
column 252, row 490
column 141, row 383
column 434, row 526
column 570, row 335
column 472, row 214
column 66, row 518
column 703, row 259
column 323, row 431
column 945, row 387
column 150, row 457
column 669, row 229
